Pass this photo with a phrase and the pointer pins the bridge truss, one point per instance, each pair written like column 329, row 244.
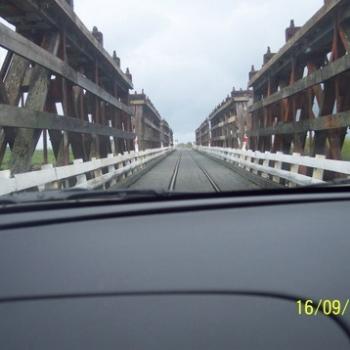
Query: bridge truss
column 301, row 94
column 59, row 84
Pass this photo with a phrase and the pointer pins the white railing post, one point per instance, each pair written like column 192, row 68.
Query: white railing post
column 5, row 174
column 318, row 173
column 131, row 162
column 266, row 164
column 278, row 166
column 249, row 160
column 97, row 172
column 256, row 161
column 49, row 186
column 111, row 169
column 121, row 165
column 241, row 161
column 294, row 169
column 7, row 184
column 229, row 157
column 136, row 160
column 142, row 159
column 81, row 180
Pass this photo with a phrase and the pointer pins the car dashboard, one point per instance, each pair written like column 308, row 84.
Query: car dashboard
column 220, row 272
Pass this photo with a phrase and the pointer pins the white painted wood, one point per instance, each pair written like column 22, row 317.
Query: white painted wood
column 278, row 166
column 287, row 175
column 97, row 169
column 50, row 177
column 5, row 174
column 7, row 185
column 338, row 166
column 295, row 169
column 49, row 186
column 256, row 161
column 318, row 172
column 266, row 165
column 81, row 179
column 34, row 179
column 111, row 169
column 249, row 160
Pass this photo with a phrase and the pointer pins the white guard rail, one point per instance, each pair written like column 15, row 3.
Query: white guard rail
column 270, row 165
column 89, row 175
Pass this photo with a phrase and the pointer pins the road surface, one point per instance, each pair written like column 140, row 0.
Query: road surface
column 186, row 170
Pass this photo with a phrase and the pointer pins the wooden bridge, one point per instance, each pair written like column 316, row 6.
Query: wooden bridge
column 54, row 64
column 299, row 113
column 59, row 85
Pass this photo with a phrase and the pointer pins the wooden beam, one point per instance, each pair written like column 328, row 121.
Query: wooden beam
column 58, row 14
column 18, row 44
column 24, row 118
column 26, row 139
column 326, row 73
column 80, row 27
column 13, row 75
column 344, row 31
column 147, row 103
column 299, row 36
column 334, row 121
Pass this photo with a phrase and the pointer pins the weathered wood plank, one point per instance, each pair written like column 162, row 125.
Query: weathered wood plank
column 344, row 31
column 23, row 118
column 27, row 139
column 54, row 16
column 334, row 121
column 18, row 44
column 13, row 75
column 312, row 23
column 79, row 26
column 326, row 73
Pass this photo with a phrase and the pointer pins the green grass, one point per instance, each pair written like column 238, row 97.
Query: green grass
column 346, row 149
column 37, row 160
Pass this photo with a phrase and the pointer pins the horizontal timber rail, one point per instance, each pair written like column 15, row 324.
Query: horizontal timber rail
column 21, row 46
column 94, row 174
column 24, row 118
column 332, row 70
column 335, row 121
column 59, row 84
column 302, row 34
column 281, row 168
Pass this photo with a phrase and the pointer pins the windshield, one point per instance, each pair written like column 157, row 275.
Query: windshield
column 174, row 174
column 173, row 96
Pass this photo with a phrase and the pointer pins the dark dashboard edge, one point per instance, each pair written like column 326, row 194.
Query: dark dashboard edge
column 171, row 197
column 193, row 205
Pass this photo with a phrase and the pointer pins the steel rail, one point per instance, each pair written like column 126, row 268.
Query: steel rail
column 172, row 183
column 207, row 175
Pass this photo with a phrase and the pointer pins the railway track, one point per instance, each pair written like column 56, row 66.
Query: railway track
column 185, row 171
column 172, row 183
column 212, row 182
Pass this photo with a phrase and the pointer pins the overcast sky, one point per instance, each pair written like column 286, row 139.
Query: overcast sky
column 188, row 54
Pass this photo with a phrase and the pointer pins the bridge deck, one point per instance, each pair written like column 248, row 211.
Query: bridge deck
column 190, row 171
